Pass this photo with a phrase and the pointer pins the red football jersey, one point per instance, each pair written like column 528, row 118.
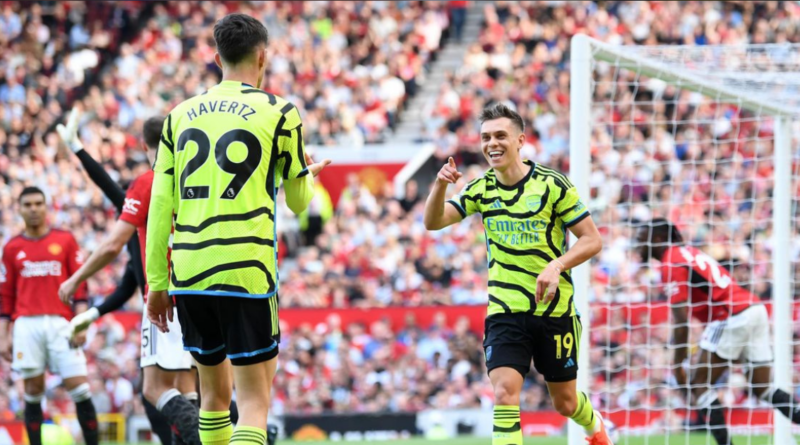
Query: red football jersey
column 33, row 270
column 137, row 205
column 136, row 209
column 693, row 276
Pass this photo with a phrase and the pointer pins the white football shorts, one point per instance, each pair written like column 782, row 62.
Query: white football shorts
column 164, row 350
column 744, row 336
column 42, row 342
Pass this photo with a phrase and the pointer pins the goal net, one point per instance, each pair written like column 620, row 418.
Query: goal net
column 705, row 137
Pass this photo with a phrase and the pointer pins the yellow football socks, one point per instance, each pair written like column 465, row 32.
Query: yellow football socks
column 507, row 429
column 248, row 435
column 215, row 427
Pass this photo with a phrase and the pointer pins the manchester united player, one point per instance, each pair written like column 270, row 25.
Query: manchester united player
column 166, row 366
column 134, row 271
column 736, row 324
column 34, row 264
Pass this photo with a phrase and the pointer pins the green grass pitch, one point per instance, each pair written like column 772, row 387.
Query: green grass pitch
column 679, row 439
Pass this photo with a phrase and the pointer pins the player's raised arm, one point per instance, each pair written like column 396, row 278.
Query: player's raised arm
column 132, row 216
column 69, row 136
column 81, row 321
column 438, row 215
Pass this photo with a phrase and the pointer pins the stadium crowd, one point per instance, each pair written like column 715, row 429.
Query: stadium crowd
column 350, row 66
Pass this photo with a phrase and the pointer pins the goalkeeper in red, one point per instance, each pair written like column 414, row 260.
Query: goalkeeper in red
column 736, row 325
column 526, row 210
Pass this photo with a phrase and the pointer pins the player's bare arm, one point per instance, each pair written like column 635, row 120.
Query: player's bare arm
column 6, row 342
column 437, row 214
column 100, row 258
column 680, row 341
column 588, row 245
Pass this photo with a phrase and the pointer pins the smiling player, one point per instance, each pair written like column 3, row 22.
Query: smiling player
column 526, row 209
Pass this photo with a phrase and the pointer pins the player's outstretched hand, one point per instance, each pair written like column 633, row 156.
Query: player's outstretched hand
column 69, row 133
column 159, row 309
column 449, row 174
column 547, row 283
column 82, row 321
column 315, row 167
column 67, row 290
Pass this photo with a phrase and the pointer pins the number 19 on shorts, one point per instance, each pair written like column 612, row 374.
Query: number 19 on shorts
column 564, row 342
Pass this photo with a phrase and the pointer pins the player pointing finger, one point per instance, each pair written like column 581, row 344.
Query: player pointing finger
column 449, row 174
column 525, row 322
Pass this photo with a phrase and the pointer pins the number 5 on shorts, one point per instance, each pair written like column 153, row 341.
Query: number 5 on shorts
column 567, row 341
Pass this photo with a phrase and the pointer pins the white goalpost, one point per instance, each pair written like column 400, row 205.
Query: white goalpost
column 705, row 136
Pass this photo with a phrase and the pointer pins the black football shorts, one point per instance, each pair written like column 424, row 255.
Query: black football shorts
column 512, row 340
column 245, row 330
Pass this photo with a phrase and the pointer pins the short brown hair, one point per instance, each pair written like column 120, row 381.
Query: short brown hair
column 497, row 111
column 237, row 36
column 151, row 131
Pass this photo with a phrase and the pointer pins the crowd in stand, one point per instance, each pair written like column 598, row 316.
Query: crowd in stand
column 349, row 67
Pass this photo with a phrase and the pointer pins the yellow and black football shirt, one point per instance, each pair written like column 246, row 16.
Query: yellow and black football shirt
column 216, row 172
column 525, row 226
